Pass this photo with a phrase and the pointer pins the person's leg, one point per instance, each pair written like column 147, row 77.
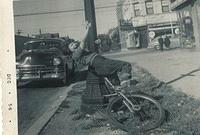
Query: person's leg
column 115, row 69
column 125, row 72
column 161, row 46
column 114, row 79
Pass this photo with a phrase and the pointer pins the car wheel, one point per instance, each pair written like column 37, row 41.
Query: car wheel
column 64, row 80
column 157, row 47
column 66, row 76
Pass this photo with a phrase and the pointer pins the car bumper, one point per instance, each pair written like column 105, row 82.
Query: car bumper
column 51, row 76
column 40, row 74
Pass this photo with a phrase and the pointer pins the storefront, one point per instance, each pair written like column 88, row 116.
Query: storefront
column 189, row 19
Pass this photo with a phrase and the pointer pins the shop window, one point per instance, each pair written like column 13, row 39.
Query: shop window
column 173, row 1
column 149, row 7
column 137, row 9
column 125, row 8
column 165, row 5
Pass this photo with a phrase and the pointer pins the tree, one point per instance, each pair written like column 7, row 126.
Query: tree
column 115, row 38
column 105, row 42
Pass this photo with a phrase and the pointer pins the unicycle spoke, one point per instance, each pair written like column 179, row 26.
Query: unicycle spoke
column 147, row 112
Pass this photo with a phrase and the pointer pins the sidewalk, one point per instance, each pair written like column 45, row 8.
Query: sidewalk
column 183, row 111
column 168, row 65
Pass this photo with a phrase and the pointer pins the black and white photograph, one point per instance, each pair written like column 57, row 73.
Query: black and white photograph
column 106, row 67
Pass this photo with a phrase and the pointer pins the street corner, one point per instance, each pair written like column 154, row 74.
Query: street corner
column 177, row 104
column 181, row 110
column 40, row 108
column 71, row 120
column 60, row 41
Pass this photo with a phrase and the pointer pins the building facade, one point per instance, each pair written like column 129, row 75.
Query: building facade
column 150, row 18
column 189, row 15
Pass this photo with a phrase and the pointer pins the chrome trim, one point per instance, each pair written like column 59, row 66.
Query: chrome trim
column 39, row 72
column 25, row 65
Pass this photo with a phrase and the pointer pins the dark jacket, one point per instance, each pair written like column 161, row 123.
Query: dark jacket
column 167, row 42
column 160, row 40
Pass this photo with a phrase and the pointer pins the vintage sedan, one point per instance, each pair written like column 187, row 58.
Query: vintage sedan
column 175, row 43
column 44, row 59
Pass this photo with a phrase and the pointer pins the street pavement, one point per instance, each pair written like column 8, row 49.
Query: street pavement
column 171, row 66
column 36, row 103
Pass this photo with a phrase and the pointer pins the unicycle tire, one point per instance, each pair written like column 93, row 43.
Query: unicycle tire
column 121, row 117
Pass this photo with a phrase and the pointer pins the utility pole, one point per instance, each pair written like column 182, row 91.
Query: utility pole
column 40, row 31
column 95, row 86
column 89, row 9
column 19, row 32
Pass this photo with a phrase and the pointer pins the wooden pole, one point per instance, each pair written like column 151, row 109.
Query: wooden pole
column 89, row 9
column 92, row 96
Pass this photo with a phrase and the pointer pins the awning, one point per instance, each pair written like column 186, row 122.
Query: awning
column 180, row 4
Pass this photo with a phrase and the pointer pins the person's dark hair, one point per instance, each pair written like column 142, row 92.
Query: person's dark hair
column 76, row 42
column 66, row 50
column 97, row 41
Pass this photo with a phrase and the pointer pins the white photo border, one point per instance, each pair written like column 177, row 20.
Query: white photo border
column 7, row 69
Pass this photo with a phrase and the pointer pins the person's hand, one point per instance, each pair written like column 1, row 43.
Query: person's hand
column 118, row 88
column 87, row 25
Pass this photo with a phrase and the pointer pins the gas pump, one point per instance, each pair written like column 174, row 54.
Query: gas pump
column 188, row 32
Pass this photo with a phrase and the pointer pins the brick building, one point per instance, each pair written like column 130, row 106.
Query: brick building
column 147, row 17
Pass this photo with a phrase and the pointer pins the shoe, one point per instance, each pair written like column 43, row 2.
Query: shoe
column 124, row 76
column 118, row 88
column 87, row 115
column 133, row 82
column 128, row 83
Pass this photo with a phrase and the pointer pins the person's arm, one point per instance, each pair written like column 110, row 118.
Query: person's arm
column 82, row 44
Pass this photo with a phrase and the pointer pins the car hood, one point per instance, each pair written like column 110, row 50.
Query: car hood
column 44, row 51
column 37, row 57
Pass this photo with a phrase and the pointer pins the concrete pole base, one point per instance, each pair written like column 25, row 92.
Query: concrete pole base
column 93, row 95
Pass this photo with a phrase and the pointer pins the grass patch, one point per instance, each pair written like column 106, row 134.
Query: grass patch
column 74, row 93
column 183, row 110
column 65, row 104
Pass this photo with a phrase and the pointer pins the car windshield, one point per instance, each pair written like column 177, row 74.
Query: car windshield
column 42, row 45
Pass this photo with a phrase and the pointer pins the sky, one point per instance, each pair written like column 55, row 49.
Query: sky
column 65, row 23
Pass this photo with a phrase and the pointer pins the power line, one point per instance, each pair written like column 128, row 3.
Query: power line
column 54, row 12
column 73, row 10
column 80, row 9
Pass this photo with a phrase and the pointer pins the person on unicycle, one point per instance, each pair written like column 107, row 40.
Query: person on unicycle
column 115, row 69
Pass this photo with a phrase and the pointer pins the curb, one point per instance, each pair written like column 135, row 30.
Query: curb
column 40, row 123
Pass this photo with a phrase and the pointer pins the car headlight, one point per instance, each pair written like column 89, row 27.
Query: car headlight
column 56, row 61
column 156, row 43
column 17, row 70
column 17, row 73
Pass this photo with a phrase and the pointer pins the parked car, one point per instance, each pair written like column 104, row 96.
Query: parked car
column 175, row 42
column 188, row 41
column 44, row 59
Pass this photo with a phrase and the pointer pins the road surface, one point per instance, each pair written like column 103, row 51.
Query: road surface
column 34, row 100
column 169, row 65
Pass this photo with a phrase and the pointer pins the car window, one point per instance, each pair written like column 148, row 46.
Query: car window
column 47, row 44
column 53, row 44
column 35, row 45
column 42, row 45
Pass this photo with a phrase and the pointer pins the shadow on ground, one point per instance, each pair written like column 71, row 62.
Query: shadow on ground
column 183, row 111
